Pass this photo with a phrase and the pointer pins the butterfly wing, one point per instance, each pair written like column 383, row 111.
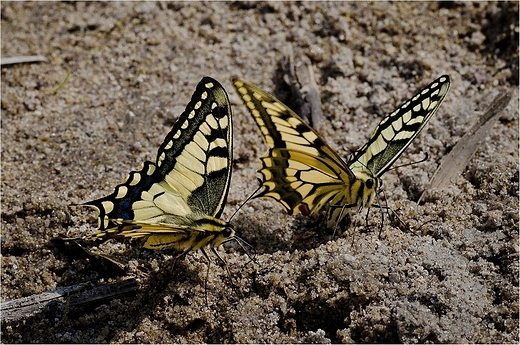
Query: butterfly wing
column 188, row 185
column 396, row 131
column 196, row 156
column 184, row 238
column 300, row 182
column 299, row 171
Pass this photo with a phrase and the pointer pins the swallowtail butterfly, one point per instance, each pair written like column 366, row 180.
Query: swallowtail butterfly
column 303, row 174
column 176, row 202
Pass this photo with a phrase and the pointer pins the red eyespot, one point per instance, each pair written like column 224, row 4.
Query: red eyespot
column 304, row 209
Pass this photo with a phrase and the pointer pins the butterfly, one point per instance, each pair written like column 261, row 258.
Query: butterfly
column 303, row 174
column 176, row 202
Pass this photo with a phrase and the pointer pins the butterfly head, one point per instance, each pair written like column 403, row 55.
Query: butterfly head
column 227, row 234
column 367, row 186
column 217, row 231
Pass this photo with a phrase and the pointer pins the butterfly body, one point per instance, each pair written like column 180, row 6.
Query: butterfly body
column 303, row 174
column 176, row 201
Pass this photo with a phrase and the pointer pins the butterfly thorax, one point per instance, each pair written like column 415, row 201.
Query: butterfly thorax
column 365, row 188
column 358, row 193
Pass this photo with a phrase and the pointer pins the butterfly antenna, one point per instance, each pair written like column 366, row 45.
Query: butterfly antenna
column 248, row 198
column 411, row 163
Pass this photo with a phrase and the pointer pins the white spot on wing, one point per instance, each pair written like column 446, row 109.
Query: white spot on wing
column 108, row 206
column 212, row 122
column 404, row 135
column 397, row 124
column 121, row 191
column 223, row 122
column 201, row 140
column 218, row 142
column 310, row 136
column 161, row 159
column 406, row 116
column 388, row 133
column 216, row 163
column 195, row 150
column 425, row 103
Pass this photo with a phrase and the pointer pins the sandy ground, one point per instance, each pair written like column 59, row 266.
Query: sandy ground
column 450, row 275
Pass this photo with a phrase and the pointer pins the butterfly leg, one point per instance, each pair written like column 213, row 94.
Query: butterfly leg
column 207, row 272
column 400, row 223
column 227, row 270
column 207, row 277
column 183, row 254
column 392, row 215
column 243, row 243
column 180, row 257
column 340, row 217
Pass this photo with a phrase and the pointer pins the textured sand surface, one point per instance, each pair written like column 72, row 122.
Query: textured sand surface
column 451, row 275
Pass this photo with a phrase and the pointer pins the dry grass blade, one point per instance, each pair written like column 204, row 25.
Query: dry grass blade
column 22, row 59
column 77, row 295
column 455, row 161
column 300, row 77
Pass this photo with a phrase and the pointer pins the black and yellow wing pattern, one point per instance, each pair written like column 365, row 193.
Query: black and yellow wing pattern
column 176, row 202
column 302, row 173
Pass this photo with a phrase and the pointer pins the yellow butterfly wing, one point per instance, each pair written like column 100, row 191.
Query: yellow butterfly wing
column 176, row 202
column 397, row 131
column 299, row 171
